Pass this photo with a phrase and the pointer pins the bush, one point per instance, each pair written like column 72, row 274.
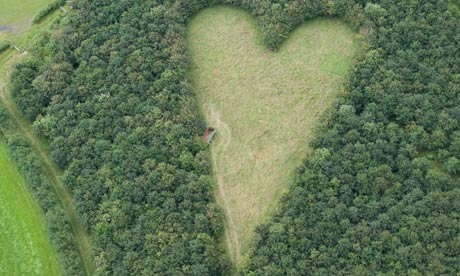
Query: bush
column 47, row 10
column 4, row 45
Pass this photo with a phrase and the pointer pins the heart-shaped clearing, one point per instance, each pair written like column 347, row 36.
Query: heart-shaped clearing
column 263, row 104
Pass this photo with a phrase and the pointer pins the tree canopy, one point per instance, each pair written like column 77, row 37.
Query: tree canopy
column 109, row 89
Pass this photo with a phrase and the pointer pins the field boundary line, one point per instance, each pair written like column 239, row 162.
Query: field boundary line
column 53, row 172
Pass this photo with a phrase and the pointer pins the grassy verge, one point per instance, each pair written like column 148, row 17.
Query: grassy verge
column 39, row 149
column 25, row 249
column 52, row 172
column 264, row 105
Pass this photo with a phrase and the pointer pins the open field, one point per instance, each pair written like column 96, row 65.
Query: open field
column 19, row 13
column 264, row 105
column 25, row 248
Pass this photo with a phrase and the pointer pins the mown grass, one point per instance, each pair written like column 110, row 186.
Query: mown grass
column 25, row 248
column 265, row 106
column 19, row 12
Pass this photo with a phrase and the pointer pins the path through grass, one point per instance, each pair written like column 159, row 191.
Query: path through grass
column 265, row 106
column 65, row 197
column 7, row 61
column 25, row 247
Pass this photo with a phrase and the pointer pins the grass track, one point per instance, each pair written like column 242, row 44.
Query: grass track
column 53, row 173
column 265, row 106
column 7, row 61
column 64, row 196
column 25, row 248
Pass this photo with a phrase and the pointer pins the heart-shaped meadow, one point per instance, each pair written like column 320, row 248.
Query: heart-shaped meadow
column 264, row 106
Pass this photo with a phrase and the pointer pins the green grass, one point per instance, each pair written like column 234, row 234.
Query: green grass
column 265, row 106
column 14, row 12
column 25, row 40
column 25, row 248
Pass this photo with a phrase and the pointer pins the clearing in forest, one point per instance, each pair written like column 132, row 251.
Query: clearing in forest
column 25, row 248
column 265, row 106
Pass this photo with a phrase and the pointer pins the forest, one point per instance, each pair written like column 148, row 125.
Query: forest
column 109, row 89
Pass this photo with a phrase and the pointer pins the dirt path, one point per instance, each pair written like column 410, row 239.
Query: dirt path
column 218, row 152
column 65, row 197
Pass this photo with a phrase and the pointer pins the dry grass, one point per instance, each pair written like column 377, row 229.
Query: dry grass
column 264, row 105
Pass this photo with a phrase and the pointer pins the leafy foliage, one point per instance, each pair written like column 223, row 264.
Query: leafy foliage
column 4, row 45
column 47, row 10
column 377, row 196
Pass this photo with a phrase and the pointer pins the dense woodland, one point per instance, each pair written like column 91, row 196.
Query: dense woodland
column 379, row 195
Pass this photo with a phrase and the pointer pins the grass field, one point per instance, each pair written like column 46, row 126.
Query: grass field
column 265, row 106
column 19, row 12
column 25, row 248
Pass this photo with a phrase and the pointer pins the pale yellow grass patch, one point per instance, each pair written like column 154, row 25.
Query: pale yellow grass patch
column 264, row 105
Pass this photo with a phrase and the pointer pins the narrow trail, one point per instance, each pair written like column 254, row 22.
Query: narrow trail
column 231, row 235
column 65, row 197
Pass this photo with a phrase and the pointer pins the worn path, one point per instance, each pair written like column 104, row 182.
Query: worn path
column 65, row 197
column 224, row 140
